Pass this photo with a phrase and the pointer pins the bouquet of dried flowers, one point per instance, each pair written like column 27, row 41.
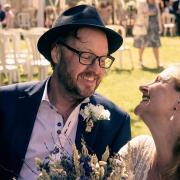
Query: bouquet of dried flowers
column 83, row 166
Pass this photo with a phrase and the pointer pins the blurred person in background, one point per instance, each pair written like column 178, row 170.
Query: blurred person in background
column 176, row 10
column 8, row 22
column 160, row 4
column 2, row 14
column 105, row 10
column 50, row 16
column 147, row 29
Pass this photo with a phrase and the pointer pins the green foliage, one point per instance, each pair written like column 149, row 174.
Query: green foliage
column 121, row 85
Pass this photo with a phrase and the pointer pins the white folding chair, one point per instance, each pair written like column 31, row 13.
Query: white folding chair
column 23, row 20
column 36, row 60
column 124, row 47
column 14, row 52
column 7, row 59
column 168, row 21
column 2, row 68
column 21, row 53
column 39, row 29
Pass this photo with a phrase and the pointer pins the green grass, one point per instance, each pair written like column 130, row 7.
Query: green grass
column 121, row 85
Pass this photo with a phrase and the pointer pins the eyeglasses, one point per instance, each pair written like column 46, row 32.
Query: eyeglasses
column 87, row 58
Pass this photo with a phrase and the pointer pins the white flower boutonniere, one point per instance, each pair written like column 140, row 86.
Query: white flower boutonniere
column 91, row 113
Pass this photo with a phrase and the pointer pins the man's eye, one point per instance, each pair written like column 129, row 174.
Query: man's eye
column 87, row 56
column 103, row 59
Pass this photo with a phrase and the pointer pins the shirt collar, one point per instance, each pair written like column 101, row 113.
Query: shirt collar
column 45, row 94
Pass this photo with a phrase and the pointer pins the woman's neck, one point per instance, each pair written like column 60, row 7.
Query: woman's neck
column 164, row 149
column 164, row 135
column 163, row 153
column 164, row 140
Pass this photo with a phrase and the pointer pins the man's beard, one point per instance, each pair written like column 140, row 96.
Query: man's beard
column 66, row 80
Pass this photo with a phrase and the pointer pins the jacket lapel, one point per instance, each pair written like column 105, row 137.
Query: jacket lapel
column 79, row 132
column 27, row 107
column 88, row 137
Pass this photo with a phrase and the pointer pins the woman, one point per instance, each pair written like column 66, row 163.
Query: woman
column 158, row 157
column 148, row 16
column 8, row 22
column 105, row 10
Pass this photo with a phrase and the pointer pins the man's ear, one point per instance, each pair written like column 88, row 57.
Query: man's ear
column 55, row 54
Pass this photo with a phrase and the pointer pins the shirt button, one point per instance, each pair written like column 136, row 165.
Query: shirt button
column 58, row 131
column 56, row 150
column 59, row 124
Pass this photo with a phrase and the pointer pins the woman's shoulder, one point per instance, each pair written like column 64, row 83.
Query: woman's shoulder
column 139, row 152
column 142, row 140
column 142, row 145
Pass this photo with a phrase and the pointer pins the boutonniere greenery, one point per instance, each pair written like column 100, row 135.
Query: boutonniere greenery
column 92, row 113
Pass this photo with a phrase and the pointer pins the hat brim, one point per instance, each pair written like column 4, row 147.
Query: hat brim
column 49, row 37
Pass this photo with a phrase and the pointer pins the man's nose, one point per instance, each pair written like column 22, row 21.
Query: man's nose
column 95, row 63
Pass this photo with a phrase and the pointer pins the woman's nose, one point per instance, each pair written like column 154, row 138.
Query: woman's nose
column 143, row 88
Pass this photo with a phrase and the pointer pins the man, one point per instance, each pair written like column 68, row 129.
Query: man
column 2, row 14
column 38, row 118
column 176, row 10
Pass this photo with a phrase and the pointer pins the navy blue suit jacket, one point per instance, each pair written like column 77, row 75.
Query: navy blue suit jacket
column 19, row 105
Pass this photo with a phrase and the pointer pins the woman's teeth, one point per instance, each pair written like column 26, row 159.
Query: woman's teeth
column 146, row 98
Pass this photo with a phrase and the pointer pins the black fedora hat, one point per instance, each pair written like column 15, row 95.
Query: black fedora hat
column 75, row 17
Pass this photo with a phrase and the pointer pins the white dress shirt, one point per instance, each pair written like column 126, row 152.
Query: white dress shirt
column 49, row 132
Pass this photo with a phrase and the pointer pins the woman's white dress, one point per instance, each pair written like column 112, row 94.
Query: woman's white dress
column 139, row 154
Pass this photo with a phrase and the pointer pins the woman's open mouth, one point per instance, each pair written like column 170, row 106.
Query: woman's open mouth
column 146, row 98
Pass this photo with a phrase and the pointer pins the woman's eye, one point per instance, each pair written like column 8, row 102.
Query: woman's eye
column 158, row 79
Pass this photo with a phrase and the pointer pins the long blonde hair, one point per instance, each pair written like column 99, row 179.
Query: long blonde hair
column 173, row 170
column 173, row 71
